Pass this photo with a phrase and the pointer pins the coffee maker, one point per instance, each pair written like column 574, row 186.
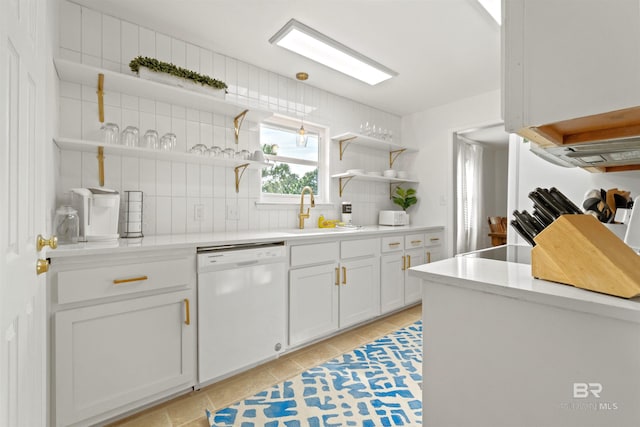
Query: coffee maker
column 346, row 213
column 98, row 209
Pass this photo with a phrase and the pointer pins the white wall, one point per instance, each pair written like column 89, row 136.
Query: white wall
column 432, row 132
column 172, row 189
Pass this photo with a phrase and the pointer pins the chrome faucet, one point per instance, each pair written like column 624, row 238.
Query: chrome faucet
column 302, row 216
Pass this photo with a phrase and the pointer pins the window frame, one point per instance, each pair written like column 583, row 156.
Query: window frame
column 292, row 124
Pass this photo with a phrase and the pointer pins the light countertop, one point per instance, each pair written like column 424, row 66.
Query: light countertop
column 195, row 240
column 514, row 280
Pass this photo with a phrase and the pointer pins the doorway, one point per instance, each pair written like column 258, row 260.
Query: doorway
column 480, row 181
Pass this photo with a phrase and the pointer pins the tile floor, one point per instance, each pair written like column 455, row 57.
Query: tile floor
column 188, row 410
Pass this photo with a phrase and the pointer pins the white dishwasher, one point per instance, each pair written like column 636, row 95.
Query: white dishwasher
column 242, row 306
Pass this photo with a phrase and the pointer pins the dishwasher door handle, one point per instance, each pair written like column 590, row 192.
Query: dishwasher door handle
column 251, row 262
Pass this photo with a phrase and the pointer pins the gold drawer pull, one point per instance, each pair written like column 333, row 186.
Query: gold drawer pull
column 187, row 321
column 416, row 242
column 344, row 275
column 337, row 276
column 434, row 239
column 133, row 279
column 394, row 244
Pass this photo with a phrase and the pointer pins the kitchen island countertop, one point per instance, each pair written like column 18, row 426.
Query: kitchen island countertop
column 195, row 240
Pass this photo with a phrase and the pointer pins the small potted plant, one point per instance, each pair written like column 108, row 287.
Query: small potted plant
column 405, row 198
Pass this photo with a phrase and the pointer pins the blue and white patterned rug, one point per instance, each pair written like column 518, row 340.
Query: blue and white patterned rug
column 378, row 384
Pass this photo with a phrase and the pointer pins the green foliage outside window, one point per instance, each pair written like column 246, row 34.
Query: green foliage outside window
column 280, row 180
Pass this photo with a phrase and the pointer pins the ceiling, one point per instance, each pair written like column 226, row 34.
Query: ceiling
column 443, row 50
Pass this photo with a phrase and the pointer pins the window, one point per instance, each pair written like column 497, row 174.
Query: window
column 292, row 167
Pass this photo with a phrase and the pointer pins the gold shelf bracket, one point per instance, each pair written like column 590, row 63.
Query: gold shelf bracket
column 344, row 143
column 343, row 183
column 237, row 123
column 239, row 171
column 101, row 165
column 393, row 155
column 100, row 93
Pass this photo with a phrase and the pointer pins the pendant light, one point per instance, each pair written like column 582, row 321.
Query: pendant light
column 302, row 137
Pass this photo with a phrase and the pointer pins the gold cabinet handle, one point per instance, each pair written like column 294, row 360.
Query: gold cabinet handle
column 187, row 320
column 344, row 275
column 416, row 242
column 337, row 276
column 408, row 261
column 394, row 244
column 404, row 263
column 434, row 239
column 428, row 257
column 42, row 266
column 41, row 242
column 132, row 279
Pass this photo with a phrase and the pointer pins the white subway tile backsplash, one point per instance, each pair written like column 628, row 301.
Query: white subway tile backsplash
column 173, row 188
column 91, row 33
column 206, row 62
column 178, row 215
column 148, row 215
column 129, row 44
column 193, row 58
column 206, row 181
column 163, row 47
column 163, row 215
column 70, row 26
column 163, row 178
column 111, row 33
column 178, row 53
column 178, row 179
column 193, row 180
column 130, row 174
column 147, row 43
column 148, row 179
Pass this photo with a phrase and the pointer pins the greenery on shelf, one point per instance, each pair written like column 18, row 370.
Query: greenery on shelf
column 281, row 180
column 165, row 67
column 405, row 198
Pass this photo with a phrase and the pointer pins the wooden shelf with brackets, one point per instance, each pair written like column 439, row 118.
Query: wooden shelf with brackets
column 348, row 138
column 101, row 149
column 345, row 178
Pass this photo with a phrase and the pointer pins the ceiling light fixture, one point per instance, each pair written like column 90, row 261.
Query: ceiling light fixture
column 494, row 8
column 305, row 41
column 302, row 137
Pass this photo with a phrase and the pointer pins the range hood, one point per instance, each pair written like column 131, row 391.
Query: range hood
column 607, row 142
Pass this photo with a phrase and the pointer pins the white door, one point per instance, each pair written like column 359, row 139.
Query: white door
column 359, row 291
column 23, row 118
column 391, row 281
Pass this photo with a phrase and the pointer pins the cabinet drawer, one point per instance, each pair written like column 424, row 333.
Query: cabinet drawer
column 434, row 238
column 101, row 282
column 394, row 243
column 359, row 248
column 413, row 241
column 314, row 254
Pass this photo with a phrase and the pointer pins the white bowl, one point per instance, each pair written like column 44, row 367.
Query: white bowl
column 403, row 174
column 389, row 173
column 355, row 171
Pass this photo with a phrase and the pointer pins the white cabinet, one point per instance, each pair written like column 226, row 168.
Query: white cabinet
column 124, row 332
column 328, row 292
column 113, row 355
column 313, row 302
column 569, row 59
column 399, row 253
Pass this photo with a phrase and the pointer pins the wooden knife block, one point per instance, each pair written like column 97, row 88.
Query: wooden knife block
column 579, row 250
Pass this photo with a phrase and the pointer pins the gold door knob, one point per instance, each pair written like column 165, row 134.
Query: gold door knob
column 41, row 242
column 42, row 266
